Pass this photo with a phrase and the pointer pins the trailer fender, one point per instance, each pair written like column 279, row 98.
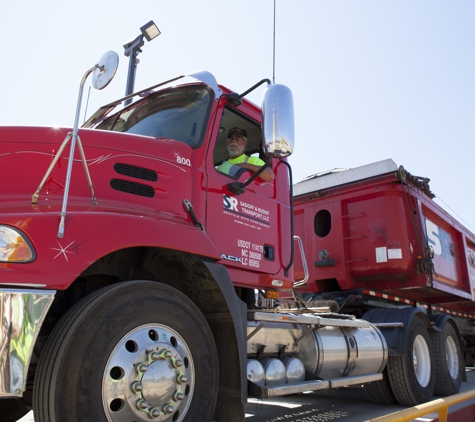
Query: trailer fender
column 438, row 322
column 396, row 338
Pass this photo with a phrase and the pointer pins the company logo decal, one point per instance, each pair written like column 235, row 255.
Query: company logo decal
column 440, row 241
column 247, row 214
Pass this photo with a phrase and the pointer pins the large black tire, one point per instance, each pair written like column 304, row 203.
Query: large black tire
column 12, row 410
column 128, row 352
column 412, row 377
column 448, row 361
column 380, row 391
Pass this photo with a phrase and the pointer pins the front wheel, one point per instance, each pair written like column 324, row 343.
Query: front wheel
column 134, row 351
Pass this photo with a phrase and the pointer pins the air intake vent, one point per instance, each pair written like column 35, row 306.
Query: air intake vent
column 137, row 172
column 133, row 187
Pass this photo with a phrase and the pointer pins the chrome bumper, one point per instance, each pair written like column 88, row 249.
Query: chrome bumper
column 22, row 313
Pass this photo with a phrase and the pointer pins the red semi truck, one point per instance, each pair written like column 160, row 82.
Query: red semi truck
column 138, row 282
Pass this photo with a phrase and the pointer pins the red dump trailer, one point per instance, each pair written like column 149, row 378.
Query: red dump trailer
column 379, row 245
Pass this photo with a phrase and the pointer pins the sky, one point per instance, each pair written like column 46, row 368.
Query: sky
column 371, row 79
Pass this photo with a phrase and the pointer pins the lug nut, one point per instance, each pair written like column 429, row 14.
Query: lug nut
column 141, row 368
column 168, row 409
column 167, row 354
column 182, row 378
column 154, row 412
column 154, row 355
column 178, row 396
column 177, row 362
column 141, row 404
column 137, row 387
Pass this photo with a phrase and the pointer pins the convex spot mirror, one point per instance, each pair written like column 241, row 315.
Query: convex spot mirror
column 105, row 70
column 278, row 120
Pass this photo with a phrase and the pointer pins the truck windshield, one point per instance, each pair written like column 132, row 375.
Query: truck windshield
column 177, row 113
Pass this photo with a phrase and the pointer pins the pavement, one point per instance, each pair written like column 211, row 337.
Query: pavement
column 28, row 418
column 348, row 404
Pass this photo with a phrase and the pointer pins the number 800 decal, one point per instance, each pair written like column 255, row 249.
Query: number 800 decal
column 184, row 161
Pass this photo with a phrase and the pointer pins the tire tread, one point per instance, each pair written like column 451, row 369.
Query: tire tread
column 380, row 391
column 402, row 377
column 445, row 385
column 63, row 334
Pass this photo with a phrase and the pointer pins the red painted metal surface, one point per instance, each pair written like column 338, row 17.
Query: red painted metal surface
column 140, row 183
column 385, row 236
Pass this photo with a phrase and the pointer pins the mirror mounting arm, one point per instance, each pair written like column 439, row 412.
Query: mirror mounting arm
column 239, row 188
column 235, row 98
column 104, row 71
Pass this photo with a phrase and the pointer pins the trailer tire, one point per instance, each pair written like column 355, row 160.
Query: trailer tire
column 412, row 376
column 448, row 361
column 380, row 391
column 12, row 410
column 130, row 351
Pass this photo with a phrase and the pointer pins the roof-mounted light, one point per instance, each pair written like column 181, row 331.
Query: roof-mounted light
column 150, row 31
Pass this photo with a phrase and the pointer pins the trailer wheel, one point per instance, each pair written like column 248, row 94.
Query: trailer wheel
column 12, row 410
column 448, row 361
column 133, row 351
column 380, row 391
column 412, row 377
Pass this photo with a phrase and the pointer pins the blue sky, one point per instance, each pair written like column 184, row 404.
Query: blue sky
column 372, row 79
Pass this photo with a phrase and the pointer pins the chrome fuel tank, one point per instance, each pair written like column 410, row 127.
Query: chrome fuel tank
column 333, row 352
column 332, row 349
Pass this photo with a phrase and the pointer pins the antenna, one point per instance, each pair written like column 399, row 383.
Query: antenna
column 273, row 71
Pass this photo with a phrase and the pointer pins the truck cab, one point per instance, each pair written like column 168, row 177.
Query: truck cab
column 152, row 207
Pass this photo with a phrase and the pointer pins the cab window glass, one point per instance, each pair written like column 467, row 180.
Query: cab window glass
column 178, row 113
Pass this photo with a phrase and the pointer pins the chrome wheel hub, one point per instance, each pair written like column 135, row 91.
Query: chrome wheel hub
column 149, row 375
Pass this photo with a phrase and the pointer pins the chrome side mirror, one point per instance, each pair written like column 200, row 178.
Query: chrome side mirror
column 278, row 120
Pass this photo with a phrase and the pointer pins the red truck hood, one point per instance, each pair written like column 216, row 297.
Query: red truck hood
column 133, row 169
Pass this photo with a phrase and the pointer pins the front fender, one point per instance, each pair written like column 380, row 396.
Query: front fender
column 91, row 235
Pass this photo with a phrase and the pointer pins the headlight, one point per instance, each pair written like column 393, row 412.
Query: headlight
column 14, row 246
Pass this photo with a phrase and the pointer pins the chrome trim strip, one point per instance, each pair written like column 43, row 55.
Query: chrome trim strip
column 356, row 380
column 22, row 313
column 310, row 319
column 280, row 390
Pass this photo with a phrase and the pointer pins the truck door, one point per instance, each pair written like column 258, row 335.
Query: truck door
column 243, row 227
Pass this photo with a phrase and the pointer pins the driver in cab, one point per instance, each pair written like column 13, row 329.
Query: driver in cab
column 237, row 143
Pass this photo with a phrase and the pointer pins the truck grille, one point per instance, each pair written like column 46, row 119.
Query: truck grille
column 136, row 172
column 132, row 187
